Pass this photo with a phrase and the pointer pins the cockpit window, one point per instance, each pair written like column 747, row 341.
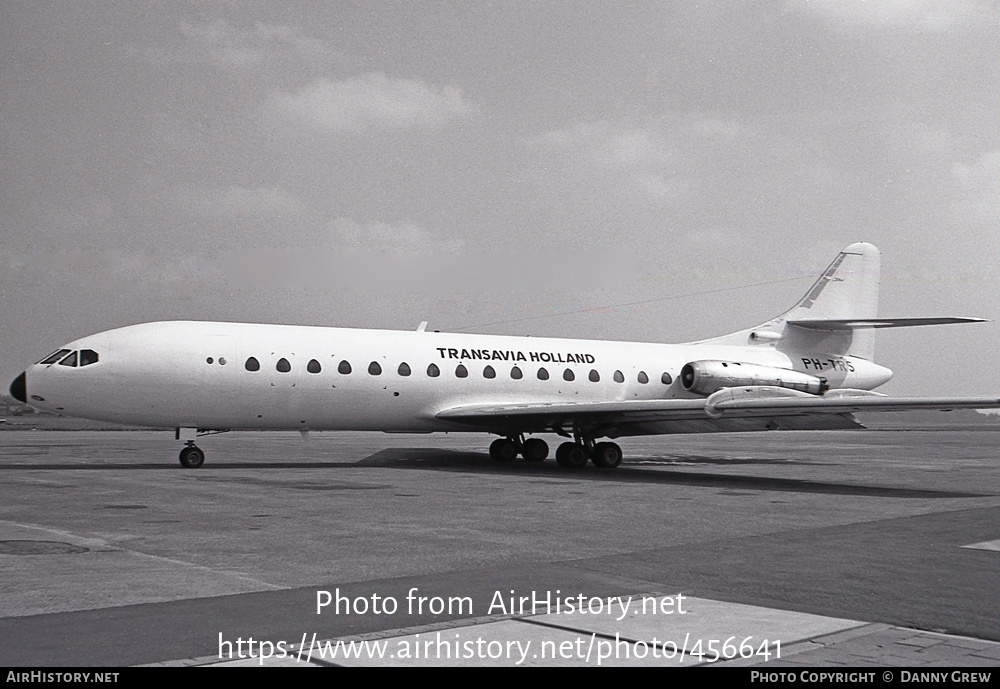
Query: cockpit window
column 88, row 357
column 69, row 361
column 54, row 356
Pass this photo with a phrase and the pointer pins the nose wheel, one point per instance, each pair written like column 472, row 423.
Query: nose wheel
column 192, row 456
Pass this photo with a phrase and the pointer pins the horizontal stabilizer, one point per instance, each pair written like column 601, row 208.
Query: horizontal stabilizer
column 852, row 323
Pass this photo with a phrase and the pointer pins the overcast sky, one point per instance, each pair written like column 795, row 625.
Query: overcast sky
column 502, row 167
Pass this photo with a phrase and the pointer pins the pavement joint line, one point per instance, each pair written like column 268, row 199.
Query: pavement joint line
column 103, row 546
column 948, row 635
column 832, row 639
column 815, row 643
column 851, row 633
column 367, row 636
column 803, row 645
column 604, row 635
column 388, row 634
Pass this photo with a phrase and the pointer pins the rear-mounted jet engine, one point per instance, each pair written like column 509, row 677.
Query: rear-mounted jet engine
column 708, row 376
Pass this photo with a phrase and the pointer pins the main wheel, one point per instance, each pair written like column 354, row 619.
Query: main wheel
column 503, row 450
column 606, row 455
column 192, row 457
column 571, row 455
column 535, row 450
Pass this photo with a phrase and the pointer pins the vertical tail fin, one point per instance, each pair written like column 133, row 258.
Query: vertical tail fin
column 847, row 289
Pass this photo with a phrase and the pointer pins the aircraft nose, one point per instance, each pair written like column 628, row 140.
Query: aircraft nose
column 19, row 389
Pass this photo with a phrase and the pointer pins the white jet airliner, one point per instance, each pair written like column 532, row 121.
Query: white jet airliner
column 809, row 368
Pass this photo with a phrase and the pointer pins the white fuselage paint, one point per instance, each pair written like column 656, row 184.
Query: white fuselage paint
column 157, row 374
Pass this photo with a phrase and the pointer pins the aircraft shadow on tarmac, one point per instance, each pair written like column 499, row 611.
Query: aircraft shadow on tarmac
column 450, row 460
column 436, row 459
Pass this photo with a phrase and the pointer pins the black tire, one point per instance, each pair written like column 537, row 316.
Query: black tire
column 192, row 457
column 535, row 450
column 607, row 455
column 503, row 450
column 571, row 455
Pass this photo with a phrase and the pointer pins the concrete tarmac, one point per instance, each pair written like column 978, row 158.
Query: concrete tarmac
column 836, row 548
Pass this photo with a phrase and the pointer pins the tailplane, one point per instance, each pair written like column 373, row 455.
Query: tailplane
column 837, row 314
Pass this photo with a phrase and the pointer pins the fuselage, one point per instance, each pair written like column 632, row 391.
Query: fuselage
column 257, row 376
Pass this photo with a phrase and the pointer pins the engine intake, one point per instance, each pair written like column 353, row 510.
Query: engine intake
column 708, row 376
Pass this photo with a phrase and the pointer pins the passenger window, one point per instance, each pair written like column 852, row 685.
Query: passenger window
column 54, row 356
column 283, row 365
column 69, row 361
column 619, row 378
column 313, row 366
column 433, row 371
column 594, row 376
column 666, row 379
column 404, row 369
column 488, row 372
column 88, row 357
column 461, row 371
column 374, row 369
column 516, row 374
column 643, row 378
column 569, row 375
column 344, row 368
column 252, row 364
column 543, row 374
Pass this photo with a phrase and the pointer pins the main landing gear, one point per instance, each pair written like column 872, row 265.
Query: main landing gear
column 570, row 455
column 575, row 455
column 506, row 449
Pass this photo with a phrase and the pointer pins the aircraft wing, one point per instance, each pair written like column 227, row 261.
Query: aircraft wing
column 764, row 401
column 729, row 409
column 567, row 413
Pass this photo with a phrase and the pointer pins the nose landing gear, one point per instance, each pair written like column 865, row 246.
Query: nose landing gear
column 192, row 456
